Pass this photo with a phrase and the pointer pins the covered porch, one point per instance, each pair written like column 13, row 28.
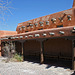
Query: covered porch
column 46, row 45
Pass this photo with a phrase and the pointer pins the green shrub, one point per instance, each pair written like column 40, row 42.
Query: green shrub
column 18, row 57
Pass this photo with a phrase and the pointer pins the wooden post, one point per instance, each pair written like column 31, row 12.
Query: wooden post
column 42, row 52
column 73, row 55
column 0, row 47
column 22, row 48
column 22, row 42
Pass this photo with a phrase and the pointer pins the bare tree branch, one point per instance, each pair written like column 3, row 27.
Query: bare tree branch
column 5, row 8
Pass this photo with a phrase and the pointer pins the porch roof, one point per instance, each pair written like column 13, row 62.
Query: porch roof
column 46, row 33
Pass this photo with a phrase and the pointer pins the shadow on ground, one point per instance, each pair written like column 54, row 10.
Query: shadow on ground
column 58, row 63
column 73, row 73
column 51, row 62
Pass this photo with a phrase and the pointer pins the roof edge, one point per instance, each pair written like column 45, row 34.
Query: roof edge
column 73, row 3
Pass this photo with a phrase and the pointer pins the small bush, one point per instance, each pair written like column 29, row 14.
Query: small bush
column 18, row 57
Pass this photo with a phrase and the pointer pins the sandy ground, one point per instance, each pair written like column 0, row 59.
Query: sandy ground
column 30, row 68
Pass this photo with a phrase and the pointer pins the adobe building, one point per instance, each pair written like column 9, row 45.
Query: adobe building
column 50, row 36
column 6, row 33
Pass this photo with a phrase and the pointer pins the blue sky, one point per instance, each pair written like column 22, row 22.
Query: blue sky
column 29, row 9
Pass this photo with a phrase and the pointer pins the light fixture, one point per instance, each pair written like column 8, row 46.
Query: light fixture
column 4, row 38
column 31, row 25
column 61, row 19
column 69, row 18
column 73, row 28
column 53, row 20
column 1, row 39
column 26, row 36
column 51, row 33
column 20, row 28
column 27, row 26
column 73, row 31
column 30, row 35
column 41, row 23
column 44, row 34
column 37, row 35
column 36, row 24
column 12, row 37
column 21, row 36
column 23, row 26
column 61, row 32
column 16, row 37
column 47, row 22
column 29, row 22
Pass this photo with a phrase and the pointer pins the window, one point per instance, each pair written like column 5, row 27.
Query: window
column 58, row 26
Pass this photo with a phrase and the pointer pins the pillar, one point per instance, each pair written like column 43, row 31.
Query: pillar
column 0, row 47
column 22, row 43
column 41, row 50
column 22, row 48
column 73, row 54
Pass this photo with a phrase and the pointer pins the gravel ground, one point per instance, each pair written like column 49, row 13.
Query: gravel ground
column 30, row 68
